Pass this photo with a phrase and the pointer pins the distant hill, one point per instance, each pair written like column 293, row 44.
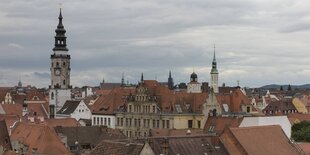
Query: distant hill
column 277, row 86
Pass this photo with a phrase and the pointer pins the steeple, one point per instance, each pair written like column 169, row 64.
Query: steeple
column 60, row 38
column 214, row 75
column 123, row 80
column 142, row 77
column 214, row 67
column 170, row 81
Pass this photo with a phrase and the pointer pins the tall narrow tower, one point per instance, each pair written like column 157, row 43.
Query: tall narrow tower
column 214, row 75
column 60, row 88
column 170, row 81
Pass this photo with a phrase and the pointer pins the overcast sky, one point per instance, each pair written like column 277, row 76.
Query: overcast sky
column 257, row 42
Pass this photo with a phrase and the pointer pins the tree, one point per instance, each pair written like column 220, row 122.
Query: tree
column 301, row 131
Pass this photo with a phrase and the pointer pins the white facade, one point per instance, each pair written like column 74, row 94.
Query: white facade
column 58, row 97
column 107, row 120
column 214, row 82
column 271, row 120
column 81, row 112
column 194, row 87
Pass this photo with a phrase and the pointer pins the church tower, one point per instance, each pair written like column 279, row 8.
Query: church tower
column 170, row 81
column 60, row 88
column 214, row 75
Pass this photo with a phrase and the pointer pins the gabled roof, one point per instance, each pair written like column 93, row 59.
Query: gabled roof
column 258, row 140
column 39, row 137
column 217, row 125
column 37, row 109
column 107, row 104
column 69, row 107
column 234, row 100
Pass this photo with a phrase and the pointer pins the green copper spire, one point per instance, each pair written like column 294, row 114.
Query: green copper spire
column 214, row 68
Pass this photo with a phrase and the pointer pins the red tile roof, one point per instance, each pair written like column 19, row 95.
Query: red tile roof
column 13, row 109
column 258, row 140
column 219, row 124
column 40, row 137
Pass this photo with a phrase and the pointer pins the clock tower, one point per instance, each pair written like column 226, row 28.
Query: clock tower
column 60, row 88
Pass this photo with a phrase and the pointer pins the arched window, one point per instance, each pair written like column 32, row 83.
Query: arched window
column 57, row 64
column 64, row 82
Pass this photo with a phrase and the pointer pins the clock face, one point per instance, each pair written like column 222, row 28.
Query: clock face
column 57, row 72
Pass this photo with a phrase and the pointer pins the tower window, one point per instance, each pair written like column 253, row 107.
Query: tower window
column 64, row 64
column 57, row 64
column 64, row 82
column 52, row 95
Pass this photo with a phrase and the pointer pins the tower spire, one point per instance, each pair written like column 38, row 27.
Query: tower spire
column 142, row 77
column 60, row 38
column 214, row 52
column 123, row 80
column 214, row 73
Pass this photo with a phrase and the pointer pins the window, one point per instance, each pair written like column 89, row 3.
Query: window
column 167, row 124
column 154, row 123
column 148, row 123
column 52, row 95
column 248, row 109
column 139, row 123
column 64, row 64
column 101, row 121
column 129, row 120
column 94, row 120
column 135, row 123
column 105, row 121
column 157, row 124
column 121, row 121
column 129, row 109
column 190, row 124
column 126, row 122
column 144, row 122
column 64, row 82
column 153, row 108
column 163, row 123
column 57, row 64
column 109, row 121
column 199, row 124
column 97, row 120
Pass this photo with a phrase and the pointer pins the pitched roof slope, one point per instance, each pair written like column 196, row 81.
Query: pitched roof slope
column 108, row 147
column 68, row 107
column 40, row 137
column 257, row 140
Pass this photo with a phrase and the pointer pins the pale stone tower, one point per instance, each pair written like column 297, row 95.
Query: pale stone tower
column 60, row 88
column 214, row 75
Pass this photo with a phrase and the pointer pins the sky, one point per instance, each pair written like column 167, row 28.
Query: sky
column 258, row 42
